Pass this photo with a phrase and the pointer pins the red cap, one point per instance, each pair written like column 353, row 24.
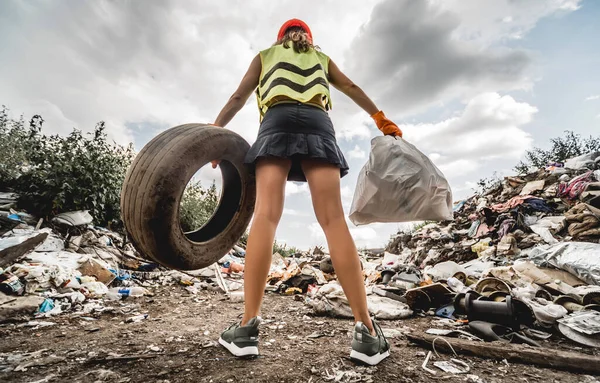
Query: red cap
column 294, row 23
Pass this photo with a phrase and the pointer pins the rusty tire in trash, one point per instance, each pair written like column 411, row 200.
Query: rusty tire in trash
column 154, row 185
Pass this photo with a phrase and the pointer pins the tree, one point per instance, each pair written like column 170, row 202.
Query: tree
column 54, row 174
column 284, row 250
column 563, row 148
column 197, row 205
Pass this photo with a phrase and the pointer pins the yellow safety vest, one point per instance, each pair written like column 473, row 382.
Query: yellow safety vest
column 299, row 76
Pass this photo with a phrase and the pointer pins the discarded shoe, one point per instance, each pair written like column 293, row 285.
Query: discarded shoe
column 367, row 348
column 242, row 340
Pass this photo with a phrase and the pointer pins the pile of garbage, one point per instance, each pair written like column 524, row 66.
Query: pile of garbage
column 557, row 204
column 70, row 266
column 520, row 262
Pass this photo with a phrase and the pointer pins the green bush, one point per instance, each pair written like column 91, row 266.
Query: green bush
column 563, row 148
column 14, row 148
column 54, row 174
column 284, row 250
column 197, row 205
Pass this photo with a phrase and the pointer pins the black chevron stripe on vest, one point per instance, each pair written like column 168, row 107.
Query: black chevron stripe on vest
column 292, row 68
column 294, row 86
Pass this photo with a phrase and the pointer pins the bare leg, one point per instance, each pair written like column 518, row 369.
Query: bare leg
column 324, row 183
column 271, row 175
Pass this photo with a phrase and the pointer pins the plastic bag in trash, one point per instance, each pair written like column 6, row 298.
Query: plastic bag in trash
column 581, row 259
column 399, row 184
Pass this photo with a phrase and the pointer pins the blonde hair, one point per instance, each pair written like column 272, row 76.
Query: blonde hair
column 299, row 39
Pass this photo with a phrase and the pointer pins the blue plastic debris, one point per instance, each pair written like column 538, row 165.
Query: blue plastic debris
column 446, row 311
column 15, row 217
column 47, row 305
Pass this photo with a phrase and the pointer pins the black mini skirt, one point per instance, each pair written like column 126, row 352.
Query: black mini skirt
column 296, row 131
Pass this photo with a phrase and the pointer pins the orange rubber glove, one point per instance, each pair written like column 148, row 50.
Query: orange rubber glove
column 386, row 125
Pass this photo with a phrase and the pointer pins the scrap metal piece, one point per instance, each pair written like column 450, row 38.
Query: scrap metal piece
column 491, row 284
column 498, row 296
column 587, row 322
column 570, row 302
column 592, row 297
column 577, row 337
column 434, row 295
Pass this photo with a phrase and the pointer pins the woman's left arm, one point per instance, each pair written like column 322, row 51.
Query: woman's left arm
column 240, row 96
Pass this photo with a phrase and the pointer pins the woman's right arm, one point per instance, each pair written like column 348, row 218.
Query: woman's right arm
column 342, row 83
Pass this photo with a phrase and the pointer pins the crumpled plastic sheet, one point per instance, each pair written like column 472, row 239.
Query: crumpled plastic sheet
column 18, row 236
column 64, row 259
column 51, row 244
column 477, row 267
column 582, row 162
column 444, row 270
column 74, row 218
column 542, row 227
column 545, row 312
column 330, row 300
column 581, row 259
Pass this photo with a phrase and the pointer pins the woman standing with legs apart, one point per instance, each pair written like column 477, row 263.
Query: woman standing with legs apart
column 296, row 142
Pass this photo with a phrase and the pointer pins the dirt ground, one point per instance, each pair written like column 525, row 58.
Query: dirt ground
column 177, row 343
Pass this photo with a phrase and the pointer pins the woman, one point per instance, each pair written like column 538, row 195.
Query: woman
column 296, row 141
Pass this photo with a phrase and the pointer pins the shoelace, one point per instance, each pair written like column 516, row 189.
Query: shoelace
column 380, row 335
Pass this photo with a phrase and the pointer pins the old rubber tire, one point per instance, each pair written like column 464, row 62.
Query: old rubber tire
column 154, row 185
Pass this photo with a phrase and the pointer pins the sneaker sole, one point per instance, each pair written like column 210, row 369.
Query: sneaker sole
column 370, row 360
column 237, row 351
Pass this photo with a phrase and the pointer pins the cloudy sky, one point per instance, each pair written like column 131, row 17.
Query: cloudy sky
column 473, row 83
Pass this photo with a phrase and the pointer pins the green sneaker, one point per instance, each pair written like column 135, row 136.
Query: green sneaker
column 367, row 348
column 241, row 340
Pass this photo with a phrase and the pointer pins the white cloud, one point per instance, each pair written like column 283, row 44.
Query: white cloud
column 357, row 153
column 435, row 157
column 457, row 168
column 489, row 22
column 295, row 213
column 160, row 62
column 316, row 233
column 409, row 57
column 350, row 125
column 489, row 128
column 207, row 175
column 414, row 54
column 592, row 97
column 292, row 188
column 347, row 193
column 364, row 236
column 466, row 188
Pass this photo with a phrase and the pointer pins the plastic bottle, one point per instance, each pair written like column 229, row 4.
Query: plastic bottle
column 135, row 291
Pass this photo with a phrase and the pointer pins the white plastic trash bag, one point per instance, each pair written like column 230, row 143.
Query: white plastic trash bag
column 399, row 184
